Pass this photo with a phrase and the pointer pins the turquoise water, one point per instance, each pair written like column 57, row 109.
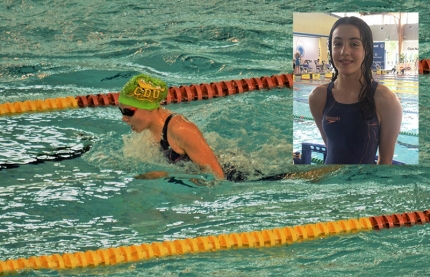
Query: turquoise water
column 56, row 49
column 406, row 89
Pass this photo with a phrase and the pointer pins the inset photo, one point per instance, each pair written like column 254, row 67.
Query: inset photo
column 355, row 98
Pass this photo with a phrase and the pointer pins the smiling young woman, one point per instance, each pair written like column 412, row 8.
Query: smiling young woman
column 368, row 115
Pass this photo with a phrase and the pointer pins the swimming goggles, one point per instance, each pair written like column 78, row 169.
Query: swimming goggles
column 128, row 111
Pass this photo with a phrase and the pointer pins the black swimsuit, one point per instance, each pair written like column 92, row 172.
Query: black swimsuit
column 230, row 171
column 171, row 155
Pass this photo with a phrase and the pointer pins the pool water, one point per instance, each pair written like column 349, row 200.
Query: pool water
column 406, row 89
column 91, row 201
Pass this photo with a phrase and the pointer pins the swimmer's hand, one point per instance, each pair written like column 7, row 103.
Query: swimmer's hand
column 152, row 175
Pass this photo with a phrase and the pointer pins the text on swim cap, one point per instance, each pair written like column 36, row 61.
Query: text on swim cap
column 147, row 90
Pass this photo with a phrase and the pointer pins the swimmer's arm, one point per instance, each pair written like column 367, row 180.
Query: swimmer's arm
column 389, row 111
column 191, row 141
column 317, row 100
column 152, row 175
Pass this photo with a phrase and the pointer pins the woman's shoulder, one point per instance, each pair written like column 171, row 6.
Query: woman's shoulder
column 319, row 92
column 181, row 126
column 388, row 106
column 384, row 95
column 179, row 120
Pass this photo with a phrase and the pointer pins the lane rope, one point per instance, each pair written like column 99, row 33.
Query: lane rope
column 254, row 239
column 424, row 66
column 176, row 95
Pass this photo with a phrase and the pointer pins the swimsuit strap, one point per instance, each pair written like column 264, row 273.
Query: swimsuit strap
column 331, row 84
column 329, row 90
column 164, row 143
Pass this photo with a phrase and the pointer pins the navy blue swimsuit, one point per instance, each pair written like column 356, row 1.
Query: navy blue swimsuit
column 350, row 138
column 171, row 155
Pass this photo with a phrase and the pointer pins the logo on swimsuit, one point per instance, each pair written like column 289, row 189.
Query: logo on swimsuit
column 332, row 119
column 147, row 90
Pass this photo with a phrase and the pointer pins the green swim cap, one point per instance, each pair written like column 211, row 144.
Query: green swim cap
column 143, row 92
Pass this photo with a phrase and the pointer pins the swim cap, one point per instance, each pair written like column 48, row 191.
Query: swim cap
column 143, row 92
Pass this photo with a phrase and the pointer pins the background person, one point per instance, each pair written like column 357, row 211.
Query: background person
column 297, row 63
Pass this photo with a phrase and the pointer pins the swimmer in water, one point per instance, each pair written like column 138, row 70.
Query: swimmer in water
column 179, row 139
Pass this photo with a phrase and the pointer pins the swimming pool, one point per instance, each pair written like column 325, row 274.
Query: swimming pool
column 405, row 87
column 92, row 202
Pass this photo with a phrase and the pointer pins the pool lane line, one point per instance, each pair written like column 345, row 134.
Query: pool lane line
column 402, row 91
column 254, row 239
column 397, row 83
column 312, row 119
column 175, row 95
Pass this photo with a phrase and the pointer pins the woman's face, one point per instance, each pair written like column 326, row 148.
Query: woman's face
column 139, row 121
column 347, row 50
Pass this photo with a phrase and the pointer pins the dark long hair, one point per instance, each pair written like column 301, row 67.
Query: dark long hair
column 367, row 102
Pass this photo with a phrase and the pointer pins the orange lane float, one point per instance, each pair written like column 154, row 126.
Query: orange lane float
column 176, row 95
column 424, row 66
column 254, row 239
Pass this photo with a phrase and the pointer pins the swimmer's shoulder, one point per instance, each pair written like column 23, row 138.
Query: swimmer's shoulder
column 179, row 121
column 388, row 107
column 181, row 133
column 383, row 95
column 181, row 128
column 318, row 94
